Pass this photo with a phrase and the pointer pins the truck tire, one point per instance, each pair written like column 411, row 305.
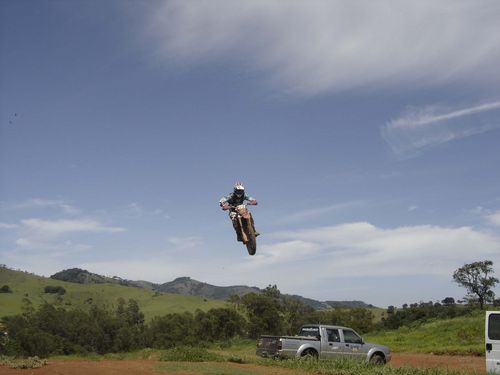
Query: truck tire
column 377, row 359
column 309, row 354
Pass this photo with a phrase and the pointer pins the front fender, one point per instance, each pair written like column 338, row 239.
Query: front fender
column 373, row 351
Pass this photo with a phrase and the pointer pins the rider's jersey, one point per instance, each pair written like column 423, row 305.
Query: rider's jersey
column 234, row 200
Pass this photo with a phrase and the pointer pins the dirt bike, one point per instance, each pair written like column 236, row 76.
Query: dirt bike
column 244, row 227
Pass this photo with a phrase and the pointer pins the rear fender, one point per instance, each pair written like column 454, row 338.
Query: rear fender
column 303, row 348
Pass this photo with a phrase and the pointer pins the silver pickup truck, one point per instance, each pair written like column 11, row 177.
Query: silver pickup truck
column 324, row 342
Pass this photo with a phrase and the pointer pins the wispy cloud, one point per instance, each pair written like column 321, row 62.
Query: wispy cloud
column 318, row 211
column 53, row 228
column 184, row 243
column 46, row 203
column 333, row 45
column 8, row 226
column 137, row 210
column 50, row 248
column 420, row 128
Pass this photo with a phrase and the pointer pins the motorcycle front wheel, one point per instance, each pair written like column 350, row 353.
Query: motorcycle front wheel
column 251, row 243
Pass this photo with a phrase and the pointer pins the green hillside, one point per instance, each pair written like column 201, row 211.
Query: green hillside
column 459, row 335
column 26, row 285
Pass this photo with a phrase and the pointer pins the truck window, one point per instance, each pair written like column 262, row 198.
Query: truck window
column 309, row 331
column 351, row 337
column 333, row 335
column 494, row 327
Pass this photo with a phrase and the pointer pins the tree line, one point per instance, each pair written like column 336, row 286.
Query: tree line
column 49, row 329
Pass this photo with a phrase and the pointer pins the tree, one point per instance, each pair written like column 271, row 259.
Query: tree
column 448, row 301
column 475, row 277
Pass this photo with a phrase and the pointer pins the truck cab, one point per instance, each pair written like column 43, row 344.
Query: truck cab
column 492, row 340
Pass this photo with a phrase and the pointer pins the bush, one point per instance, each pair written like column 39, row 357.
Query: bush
column 189, row 354
column 25, row 363
column 54, row 290
column 5, row 289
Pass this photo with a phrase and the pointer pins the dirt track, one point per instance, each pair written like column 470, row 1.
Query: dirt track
column 473, row 365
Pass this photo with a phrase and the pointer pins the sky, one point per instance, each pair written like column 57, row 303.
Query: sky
column 369, row 133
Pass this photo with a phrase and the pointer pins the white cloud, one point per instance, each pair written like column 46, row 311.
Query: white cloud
column 420, row 128
column 312, row 262
column 333, row 45
column 494, row 218
column 53, row 228
column 364, row 249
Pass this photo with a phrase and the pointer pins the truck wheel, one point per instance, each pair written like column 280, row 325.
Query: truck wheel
column 377, row 359
column 309, row 354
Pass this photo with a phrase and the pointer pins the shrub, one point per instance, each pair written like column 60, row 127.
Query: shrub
column 5, row 289
column 54, row 290
column 190, row 354
column 25, row 363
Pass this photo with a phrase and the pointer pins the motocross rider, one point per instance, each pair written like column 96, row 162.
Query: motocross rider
column 234, row 199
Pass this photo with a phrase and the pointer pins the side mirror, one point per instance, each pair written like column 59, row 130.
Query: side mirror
column 489, row 347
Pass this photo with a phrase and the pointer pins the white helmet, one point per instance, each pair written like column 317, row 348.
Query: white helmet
column 239, row 189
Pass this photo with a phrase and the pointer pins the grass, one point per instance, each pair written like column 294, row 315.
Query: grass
column 461, row 335
column 25, row 285
column 225, row 362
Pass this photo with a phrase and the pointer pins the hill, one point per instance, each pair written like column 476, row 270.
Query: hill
column 80, row 276
column 31, row 287
column 349, row 304
column 190, row 287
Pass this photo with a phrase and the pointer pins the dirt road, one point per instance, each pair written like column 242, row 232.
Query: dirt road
column 451, row 362
column 473, row 365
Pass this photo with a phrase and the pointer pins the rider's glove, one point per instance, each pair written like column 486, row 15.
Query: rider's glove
column 225, row 206
column 253, row 202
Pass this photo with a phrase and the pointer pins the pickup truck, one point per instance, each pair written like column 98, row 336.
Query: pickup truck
column 324, row 342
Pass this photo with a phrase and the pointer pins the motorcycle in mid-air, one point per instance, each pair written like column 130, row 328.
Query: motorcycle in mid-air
column 244, row 227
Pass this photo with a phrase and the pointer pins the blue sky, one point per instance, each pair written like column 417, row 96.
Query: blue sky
column 368, row 132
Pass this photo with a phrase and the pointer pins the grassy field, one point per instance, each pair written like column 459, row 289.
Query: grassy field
column 462, row 335
column 25, row 285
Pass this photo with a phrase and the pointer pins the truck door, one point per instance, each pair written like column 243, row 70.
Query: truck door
column 353, row 345
column 333, row 348
column 492, row 339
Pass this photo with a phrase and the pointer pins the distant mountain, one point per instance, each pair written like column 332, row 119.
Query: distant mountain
column 318, row 305
column 80, row 276
column 188, row 286
column 348, row 304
